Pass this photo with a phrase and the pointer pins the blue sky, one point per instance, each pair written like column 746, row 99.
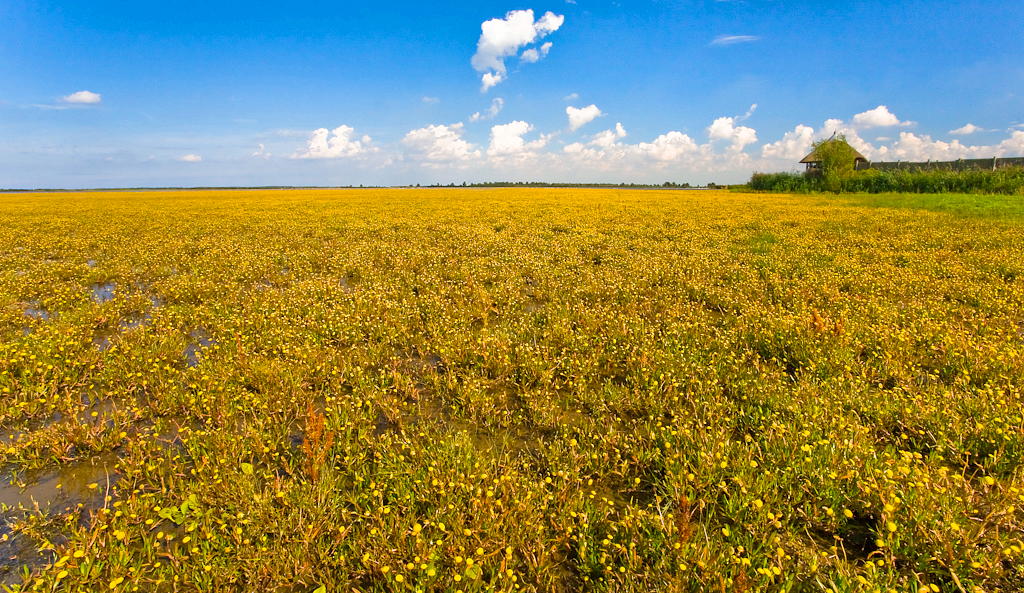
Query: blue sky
column 108, row 93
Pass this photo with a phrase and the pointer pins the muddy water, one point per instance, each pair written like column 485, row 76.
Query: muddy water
column 72, row 487
column 61, row 489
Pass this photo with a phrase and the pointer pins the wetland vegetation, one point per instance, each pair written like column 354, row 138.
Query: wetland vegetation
column 510, row 390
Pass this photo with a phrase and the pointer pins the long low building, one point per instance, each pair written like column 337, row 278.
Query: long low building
column 991, row 164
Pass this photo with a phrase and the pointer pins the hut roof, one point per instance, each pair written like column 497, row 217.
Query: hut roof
column 813, row 157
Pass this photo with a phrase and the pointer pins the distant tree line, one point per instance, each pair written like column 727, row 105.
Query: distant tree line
column 666, row 185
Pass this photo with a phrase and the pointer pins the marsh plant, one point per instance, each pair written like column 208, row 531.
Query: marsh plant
column 510, row 390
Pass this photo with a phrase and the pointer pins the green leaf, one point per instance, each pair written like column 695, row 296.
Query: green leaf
column 320, row 589
column 247, row 470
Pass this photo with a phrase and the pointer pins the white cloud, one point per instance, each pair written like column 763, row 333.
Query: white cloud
column 608, row 138
column 497, row 104
column 571, row 97
column 533, row 54
column 913, row 147
column 670, row 146
column 190, row 158
column 507, row 140
column 83, row 98
column 503, row 38
column 673, row 150
column 530, row 56
column 725, row 128
column 431, row 100
column 734, row 39
column 439, row 144
column 908, row 146
column 966, row 129
column 261, row 152
column 490, row 79
column 879, row 117
column 792, row 147
column 341, row 142
column 581, row 116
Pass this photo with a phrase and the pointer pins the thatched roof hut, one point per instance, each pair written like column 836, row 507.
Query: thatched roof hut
column 813, row 162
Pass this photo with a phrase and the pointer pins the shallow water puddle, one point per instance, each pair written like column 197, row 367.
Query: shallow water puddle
column 62, row 489
column 102, row 292
column 102, row 342
column 103, row 338
column 199, row 339
column 349, row 282
column 134, row 320
column 76, row 486
column 35, row 310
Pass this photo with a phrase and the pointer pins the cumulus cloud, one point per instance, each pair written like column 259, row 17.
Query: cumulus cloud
column 914, row 147
column 581, row 116
column 793, row 146
column 490, row 79
column 671, row 146
column 734, row 39
column 503, row 38
column 908, row 146
column 439, row 144
column 83, row 98
column 605, row 151
column 966, row 130
column 534, row 54
column 609, row 138
column 190, row 158
column 497, row 104
column 507, row 141
column 341, row 142
column 571, row 97
column 879, row 117
column 260, row 152
column 739, row 137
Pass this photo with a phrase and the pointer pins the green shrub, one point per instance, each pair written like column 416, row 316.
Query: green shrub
column 1009, row 181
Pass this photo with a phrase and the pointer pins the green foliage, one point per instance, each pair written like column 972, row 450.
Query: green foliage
column 779, row 182
column 837, row 162
column 1009, row 181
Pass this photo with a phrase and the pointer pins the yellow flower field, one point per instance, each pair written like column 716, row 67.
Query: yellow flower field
column 508, row 390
